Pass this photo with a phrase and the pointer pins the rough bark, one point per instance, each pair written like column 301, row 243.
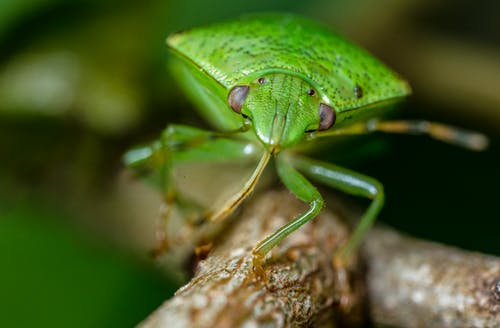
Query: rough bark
column 414, row 283
column 411, row 283
column 300, row 286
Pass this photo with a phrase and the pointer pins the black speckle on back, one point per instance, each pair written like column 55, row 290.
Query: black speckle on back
column 358, row 91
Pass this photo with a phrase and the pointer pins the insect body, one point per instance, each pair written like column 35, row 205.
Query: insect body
column 276, row 81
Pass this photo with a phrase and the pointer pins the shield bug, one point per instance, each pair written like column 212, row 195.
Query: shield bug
column 270, row 83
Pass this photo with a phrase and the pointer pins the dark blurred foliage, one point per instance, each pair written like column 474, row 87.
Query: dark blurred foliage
column 81, row 81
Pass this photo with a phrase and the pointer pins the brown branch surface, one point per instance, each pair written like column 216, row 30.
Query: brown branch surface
column 410, row 283
column 300, row 286
column 414, row 283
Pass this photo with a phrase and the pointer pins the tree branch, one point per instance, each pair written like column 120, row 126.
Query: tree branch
column 415, row 283
column 410, row 283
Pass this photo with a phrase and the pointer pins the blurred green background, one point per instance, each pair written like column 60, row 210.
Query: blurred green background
column 81, row 81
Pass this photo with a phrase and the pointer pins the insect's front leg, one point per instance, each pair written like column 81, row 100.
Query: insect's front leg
column 306, row 192
column 183, row 144
column 353, row 183
column 349, row 182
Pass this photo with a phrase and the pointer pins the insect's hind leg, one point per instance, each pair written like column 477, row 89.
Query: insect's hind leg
column 182, row 144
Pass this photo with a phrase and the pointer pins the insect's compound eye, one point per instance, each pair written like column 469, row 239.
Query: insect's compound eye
column 262, row 80
column 311, row 92
column 327, row 117
column 237, row 96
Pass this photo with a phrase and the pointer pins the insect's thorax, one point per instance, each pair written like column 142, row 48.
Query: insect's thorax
column 282, row 108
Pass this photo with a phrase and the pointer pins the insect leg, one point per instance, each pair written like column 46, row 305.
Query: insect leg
column 454, row 135
column 175, row 138
column 446, row 133
column 234, row 201
column 350, row 182
column 305, row 191
column 183, row 144
column 180, row 143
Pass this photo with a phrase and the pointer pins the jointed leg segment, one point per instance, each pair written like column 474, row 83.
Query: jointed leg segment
column 306, row 192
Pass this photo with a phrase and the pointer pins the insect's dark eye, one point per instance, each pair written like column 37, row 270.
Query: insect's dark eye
column 327, row 117
column 237, row 96
column 262, row 80
column 310, row 92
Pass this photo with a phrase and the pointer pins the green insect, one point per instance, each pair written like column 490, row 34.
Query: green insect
column 269, row 84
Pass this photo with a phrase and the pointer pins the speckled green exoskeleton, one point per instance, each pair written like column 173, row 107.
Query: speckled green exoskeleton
column 271, row 83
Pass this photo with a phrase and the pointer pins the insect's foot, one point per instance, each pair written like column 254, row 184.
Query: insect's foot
column 257, row 266
column 162, row 247
column 202, row 251
column 341, row 268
